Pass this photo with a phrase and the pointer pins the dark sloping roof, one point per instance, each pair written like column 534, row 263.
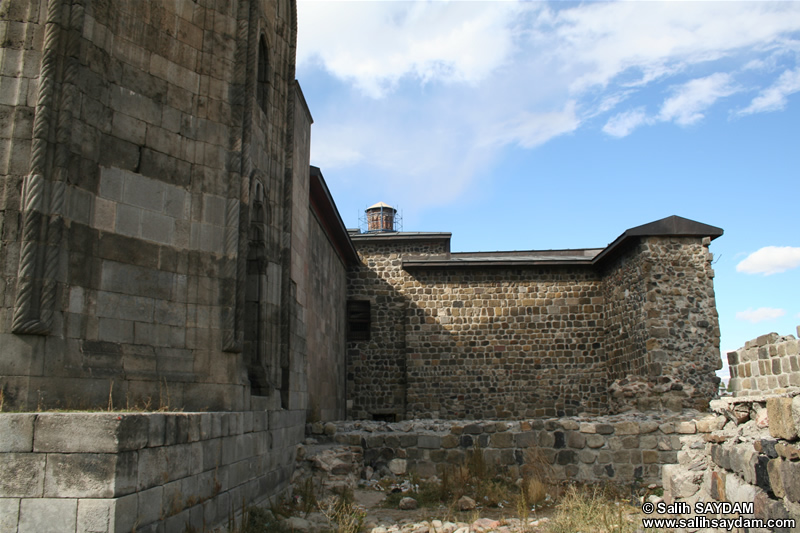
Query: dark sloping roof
column 673, row 226
column 323, row 205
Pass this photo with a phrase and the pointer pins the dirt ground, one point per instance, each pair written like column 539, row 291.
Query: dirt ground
column 378, row 513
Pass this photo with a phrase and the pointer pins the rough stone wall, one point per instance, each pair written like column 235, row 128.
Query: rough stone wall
column 111, row 472
column 376, row 369
column 639, row 330
column 624, row 289
column 133, row 145
column 505, row 343
column 768, row 364
column 662, row 332
column 620, row 448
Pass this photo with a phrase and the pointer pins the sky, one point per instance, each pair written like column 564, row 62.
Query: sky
column 551, row 125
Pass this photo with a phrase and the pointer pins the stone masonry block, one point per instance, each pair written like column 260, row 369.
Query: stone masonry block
column 429, row 441
column 48, row 515
column 626, row 428
column 140, row 191
column 790, row 476
column 160, row 465
column 22, row 475
column 16, row 432
column 595, row 441
column 95, row 516
column 111, row 183
column 781, row 422
column 128, row 220
column 89, row 432
column 775, row 479
column 9, row 515
column 150, row 504
column 526, row 439
column 501, row 440
column 795, row 414
column 82, row 475
column 158, row 228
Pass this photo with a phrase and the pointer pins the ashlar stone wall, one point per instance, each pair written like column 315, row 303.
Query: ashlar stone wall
column 769, row 364
column 148, row 154
column 749, row 459
column 116, row 472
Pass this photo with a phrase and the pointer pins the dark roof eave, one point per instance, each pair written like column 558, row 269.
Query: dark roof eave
column 672, row 226
column 323, row 204
column 423, row 264
column 400, row 236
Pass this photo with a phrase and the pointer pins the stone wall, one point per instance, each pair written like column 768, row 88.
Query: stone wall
column 146, row 169
column 662, row 332
column 112, row 472
column 750, row 456
column 326, row 328
column 504, row 343
column 767, row 364
column 620, row 449
column 376, row 368
column 532, row 334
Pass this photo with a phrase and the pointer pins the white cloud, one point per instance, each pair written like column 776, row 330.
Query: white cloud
column 774, row 97
column 439, row 88
column 533, row 129
column 695, row 96
column 760, row 315
column 375, row 44
column 770, row 260
column 623, row 124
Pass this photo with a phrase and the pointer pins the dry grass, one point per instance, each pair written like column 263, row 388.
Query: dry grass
column 594, row 510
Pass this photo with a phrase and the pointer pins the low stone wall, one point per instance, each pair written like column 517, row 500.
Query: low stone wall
column 620, row 448
column 148, row 472
column 752, row 459
column 768, row 364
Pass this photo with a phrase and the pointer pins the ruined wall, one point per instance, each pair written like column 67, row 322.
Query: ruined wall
column 144, row 173
column 752, row 454
column 768, row 364
column 501, row 343
column 620, row 448
column 748, row 458
column 111, row 472
column 376, row 369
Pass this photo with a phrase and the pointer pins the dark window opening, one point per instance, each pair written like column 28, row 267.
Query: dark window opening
column 358, row 320
column 263, row 75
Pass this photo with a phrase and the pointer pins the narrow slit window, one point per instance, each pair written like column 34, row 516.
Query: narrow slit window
column 263, row 75
column 358, row 320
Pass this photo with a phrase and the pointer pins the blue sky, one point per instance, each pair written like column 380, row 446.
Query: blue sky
column 535, row 125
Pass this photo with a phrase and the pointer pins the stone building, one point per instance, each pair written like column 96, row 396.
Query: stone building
column 531, row 334
column 164, row 245
column 169, row 258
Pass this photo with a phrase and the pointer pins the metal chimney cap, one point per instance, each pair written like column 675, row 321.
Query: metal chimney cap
column 380, row 205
